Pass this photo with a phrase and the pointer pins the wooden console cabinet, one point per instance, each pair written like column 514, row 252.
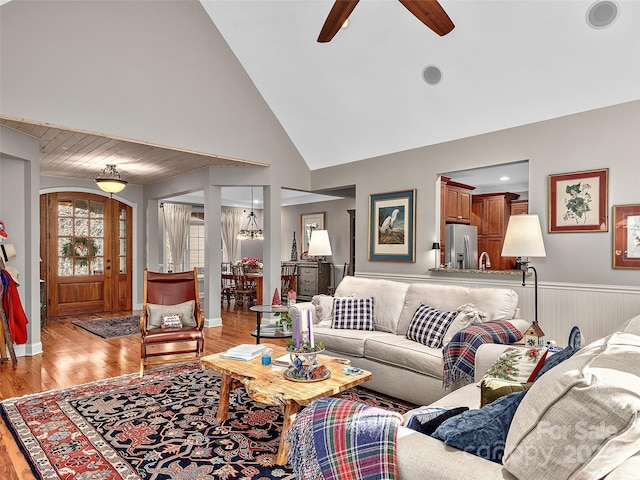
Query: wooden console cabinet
column 313, row 279
column 490, row 213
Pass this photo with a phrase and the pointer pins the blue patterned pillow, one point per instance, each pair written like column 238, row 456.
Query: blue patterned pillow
column 555, row 359
column 482, row 432
column 429, row 325
column 353, row 313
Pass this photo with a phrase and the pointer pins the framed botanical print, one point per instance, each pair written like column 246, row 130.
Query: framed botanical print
column 392, row 226
column 308, row 223
column 578, row 201
column 626, row 236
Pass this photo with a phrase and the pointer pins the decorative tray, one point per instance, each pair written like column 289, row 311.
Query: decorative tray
column 290, row 374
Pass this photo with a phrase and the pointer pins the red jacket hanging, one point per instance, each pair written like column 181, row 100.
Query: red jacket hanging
column 16, row 317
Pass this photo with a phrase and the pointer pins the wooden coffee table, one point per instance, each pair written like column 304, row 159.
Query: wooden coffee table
column 268, row 385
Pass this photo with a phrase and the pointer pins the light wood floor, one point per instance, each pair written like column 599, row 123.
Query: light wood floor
column 73, row 356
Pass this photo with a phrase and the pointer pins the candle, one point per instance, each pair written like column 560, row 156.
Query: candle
column 296, row 325
column 310, row 329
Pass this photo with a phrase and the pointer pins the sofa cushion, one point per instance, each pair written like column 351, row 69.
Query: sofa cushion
column 482, row 432
column 344, row 341
column 157, row 312
column 580, row 419
column 427, row 420
column 468, row 314
column 429, row 325
column 499, row 303
column 389, row 299
column 492, row 389
column 555, row 359
column 324, row 310
column 400, row 351
column 353, row 313
column 518, row 364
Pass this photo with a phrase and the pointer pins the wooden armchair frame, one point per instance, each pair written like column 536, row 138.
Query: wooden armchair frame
column 170, row 289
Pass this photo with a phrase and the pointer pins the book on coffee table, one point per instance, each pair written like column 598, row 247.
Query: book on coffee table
column 244, row 352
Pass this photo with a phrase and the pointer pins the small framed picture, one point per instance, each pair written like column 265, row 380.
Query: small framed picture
column 308, row 223
column 626, row 236
column 392, row 226
column 578, row 201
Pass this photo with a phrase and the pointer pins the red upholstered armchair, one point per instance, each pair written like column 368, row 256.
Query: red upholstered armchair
column 172, row 321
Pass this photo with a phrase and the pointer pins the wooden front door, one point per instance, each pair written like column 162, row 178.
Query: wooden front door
column 87, row 248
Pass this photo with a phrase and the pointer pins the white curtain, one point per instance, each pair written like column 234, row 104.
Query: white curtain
column 176, row 221
column 231, row 221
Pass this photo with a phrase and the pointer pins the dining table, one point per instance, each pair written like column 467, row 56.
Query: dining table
column 258, row 279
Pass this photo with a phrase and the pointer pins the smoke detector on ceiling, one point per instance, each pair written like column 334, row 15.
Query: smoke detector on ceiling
column 431, row 75
column 602, row 14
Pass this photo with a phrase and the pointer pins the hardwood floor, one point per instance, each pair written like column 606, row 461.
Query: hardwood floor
column 73, row 356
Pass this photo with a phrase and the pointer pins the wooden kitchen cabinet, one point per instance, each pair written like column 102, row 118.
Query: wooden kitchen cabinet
column 519, row 206
column 455, row 207
column 490, row 213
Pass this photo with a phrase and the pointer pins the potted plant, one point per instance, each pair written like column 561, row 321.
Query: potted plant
column 285, row 322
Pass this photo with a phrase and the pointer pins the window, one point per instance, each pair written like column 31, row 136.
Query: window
column 194, row 253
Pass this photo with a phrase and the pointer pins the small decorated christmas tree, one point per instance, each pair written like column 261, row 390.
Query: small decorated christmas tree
column 294, row 249
column 276, row 300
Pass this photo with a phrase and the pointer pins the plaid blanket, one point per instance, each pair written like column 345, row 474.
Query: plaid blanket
column 460, row 352
column 334, row 439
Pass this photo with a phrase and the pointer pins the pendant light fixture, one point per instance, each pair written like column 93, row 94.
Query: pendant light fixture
column 109, row 180
column 251, row 231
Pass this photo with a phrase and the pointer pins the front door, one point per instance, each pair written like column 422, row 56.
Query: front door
column 87, row 249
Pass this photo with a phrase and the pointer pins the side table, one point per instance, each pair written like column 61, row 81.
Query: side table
column 260, row 310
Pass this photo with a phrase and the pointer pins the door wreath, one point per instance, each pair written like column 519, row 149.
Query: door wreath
column 81, row 248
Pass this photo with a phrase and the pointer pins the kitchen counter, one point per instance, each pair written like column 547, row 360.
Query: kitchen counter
column 480, row 272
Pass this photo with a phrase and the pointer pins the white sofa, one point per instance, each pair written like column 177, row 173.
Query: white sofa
column 402, row 368
column 578, row 421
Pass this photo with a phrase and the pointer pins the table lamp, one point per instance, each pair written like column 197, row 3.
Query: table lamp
column 524, row 239
column 319, row 245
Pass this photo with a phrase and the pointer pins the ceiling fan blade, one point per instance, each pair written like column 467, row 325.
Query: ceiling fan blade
column 431, row 14
column 336, row 18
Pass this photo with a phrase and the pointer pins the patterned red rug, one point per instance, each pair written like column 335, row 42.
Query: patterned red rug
column 111, row 327
column 161, row 426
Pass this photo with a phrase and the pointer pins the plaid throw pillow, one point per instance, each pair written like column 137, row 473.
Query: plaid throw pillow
column 429, row 325
column 353, row 313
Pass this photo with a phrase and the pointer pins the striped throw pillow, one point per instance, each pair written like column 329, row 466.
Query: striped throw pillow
column 429, row 325
column 353, row 313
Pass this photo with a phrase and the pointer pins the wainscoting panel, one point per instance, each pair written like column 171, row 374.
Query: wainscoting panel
column 596, row 309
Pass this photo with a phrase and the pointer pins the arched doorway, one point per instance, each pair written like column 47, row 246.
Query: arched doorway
column 86, row 248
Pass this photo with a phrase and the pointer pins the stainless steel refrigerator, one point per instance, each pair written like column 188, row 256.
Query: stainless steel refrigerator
column 461, row 246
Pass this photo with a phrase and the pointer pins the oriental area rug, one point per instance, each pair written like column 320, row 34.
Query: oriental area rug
column 162, row 426
column 111, row 327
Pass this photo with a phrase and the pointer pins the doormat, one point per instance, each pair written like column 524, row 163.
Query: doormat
column 160, row 426
column 111, row 327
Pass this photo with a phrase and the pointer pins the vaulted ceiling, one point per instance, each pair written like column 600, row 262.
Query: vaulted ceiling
column 506, row 63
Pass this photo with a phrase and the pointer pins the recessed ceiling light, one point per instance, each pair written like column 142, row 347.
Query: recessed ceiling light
column 602, row 14
column 432, row 75
column 504, row 178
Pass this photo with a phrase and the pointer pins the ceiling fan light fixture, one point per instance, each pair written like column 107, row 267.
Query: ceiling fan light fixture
column 109, row 180
column 602, row 14
column 432, row 75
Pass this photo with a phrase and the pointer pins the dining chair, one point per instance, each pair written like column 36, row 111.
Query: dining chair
column 245, row 289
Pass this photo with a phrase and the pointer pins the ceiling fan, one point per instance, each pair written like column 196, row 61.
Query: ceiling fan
column 428, row 12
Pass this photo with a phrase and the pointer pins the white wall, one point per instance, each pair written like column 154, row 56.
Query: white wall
column 19, row 207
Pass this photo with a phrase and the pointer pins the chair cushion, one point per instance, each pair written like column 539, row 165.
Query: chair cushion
column 583, row 412
column 429, row 325
column 164, row 335
column 157, row 312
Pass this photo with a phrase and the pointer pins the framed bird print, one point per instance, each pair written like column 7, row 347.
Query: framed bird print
column 392, row 226
column 578, row 202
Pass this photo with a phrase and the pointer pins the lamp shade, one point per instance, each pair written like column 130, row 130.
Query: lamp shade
column 109, row 180
column 319, row 245
column 523, row 237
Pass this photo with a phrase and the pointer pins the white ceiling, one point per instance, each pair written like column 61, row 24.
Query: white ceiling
column 507, row 63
